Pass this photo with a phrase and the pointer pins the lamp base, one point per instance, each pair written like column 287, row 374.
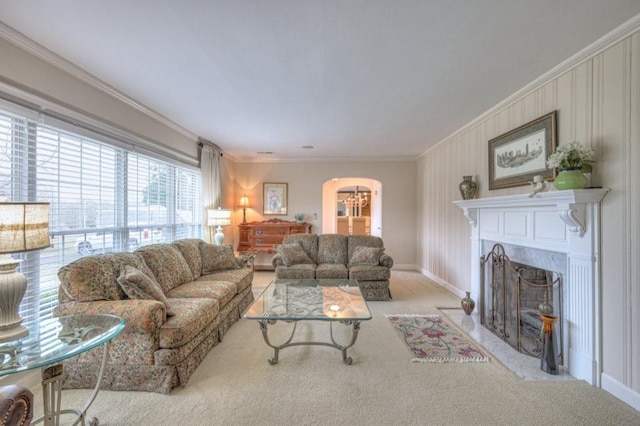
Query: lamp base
column 13, row 333
column 13, row 285
column 219, row 237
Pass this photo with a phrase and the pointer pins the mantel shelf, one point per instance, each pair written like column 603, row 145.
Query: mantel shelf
column 567, row 202
column 568, row 196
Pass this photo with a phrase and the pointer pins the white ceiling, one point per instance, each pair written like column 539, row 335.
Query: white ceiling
column 353, row 78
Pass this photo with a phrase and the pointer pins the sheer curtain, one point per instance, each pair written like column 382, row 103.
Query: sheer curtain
column 210, row 170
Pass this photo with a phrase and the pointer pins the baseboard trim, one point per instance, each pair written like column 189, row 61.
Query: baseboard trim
column 453, row 289
column 264, row 268
column 620, row 391
column 405, row 267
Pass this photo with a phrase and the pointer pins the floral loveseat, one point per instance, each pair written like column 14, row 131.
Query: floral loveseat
column 336, row 256
column 178, row 301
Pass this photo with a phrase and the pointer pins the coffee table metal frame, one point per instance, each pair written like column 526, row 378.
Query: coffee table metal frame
column 310, row 300
column 59, row 339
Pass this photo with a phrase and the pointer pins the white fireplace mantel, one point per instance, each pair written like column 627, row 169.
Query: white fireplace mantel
column 560, row 221
column 569, row 204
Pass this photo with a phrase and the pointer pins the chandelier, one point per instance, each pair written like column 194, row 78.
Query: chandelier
column 356, row 200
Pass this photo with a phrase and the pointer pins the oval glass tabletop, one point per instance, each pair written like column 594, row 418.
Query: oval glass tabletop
column 58, row 339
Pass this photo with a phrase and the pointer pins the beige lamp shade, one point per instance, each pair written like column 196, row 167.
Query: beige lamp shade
column 218, row 217
column 24, row 227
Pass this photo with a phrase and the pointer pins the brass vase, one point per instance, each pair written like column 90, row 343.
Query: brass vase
column 467, row 304
column 468, row 188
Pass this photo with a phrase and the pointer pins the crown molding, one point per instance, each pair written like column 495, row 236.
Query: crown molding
column 613, row 37
column 68, row 67
column 324, row 159
column 595, row 48
column 41, row 52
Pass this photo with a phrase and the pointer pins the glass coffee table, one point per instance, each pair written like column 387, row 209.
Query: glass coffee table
column 333, row 301
column 56, row 340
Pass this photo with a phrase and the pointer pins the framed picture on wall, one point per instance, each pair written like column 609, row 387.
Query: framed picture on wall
column 517, row 156
column 274, row 198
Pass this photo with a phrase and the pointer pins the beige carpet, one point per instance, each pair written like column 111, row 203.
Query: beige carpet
column 235, row 385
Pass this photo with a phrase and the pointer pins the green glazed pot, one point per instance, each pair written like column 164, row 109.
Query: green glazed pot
column 570, row 179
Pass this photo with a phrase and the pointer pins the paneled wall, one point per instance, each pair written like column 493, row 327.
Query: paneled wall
column 598, row 104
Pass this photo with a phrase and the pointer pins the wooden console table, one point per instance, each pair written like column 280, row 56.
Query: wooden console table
column 263, row 236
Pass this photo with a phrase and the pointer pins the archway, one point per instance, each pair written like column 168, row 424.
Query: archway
column 330, row 191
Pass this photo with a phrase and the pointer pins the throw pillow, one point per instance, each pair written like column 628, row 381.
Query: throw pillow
column 167, row 265
column 139, row 286
column 366, row 255
column 293, row 254
column 217, row 258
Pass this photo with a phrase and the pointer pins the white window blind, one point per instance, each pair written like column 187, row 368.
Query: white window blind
column 102, row 199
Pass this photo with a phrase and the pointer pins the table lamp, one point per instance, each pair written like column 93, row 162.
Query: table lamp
column 23, row 227
column 218, row 217
column 244, row 203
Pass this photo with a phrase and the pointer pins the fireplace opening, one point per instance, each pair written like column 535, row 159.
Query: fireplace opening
column 513, row 296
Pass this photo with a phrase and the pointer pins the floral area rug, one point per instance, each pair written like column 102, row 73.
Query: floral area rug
column 432, row 339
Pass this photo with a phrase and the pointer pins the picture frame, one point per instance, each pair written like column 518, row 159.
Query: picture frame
column 274, row 200
column 519, row 155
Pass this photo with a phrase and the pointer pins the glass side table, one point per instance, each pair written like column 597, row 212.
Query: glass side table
column 58, row 339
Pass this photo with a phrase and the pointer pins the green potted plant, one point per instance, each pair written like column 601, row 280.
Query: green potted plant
column 572, row 160
column 299, row 217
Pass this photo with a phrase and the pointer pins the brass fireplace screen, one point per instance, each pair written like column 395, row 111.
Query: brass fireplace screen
column 516, row 295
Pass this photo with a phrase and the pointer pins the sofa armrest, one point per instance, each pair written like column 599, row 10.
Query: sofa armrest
column 386, row 260
column 141, row 316
column 277, row 260
column 16, row 405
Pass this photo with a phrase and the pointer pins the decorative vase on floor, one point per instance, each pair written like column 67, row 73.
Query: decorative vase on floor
column 549, row 358
column 570, row 179
column 467, row 304
column 468, row 188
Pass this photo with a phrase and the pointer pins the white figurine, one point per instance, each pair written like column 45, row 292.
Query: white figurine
column 538, row 185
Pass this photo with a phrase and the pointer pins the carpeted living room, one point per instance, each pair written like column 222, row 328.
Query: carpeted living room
column 235, row 384
column 370, row 212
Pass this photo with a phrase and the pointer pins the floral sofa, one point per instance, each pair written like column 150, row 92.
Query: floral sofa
column 336, row 256
column 178, row 301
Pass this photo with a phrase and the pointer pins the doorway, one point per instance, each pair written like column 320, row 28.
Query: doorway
column 336, row 190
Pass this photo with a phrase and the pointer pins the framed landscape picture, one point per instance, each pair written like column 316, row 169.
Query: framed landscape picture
column 517, row 156
column 274, row 198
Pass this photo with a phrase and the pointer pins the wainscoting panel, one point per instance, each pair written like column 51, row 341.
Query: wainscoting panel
column 490, row 223
column 516, row 224
column 549, row 228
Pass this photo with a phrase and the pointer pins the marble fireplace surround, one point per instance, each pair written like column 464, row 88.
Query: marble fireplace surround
column 563, row 222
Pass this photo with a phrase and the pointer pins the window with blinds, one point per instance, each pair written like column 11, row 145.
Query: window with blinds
column 102, row 199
